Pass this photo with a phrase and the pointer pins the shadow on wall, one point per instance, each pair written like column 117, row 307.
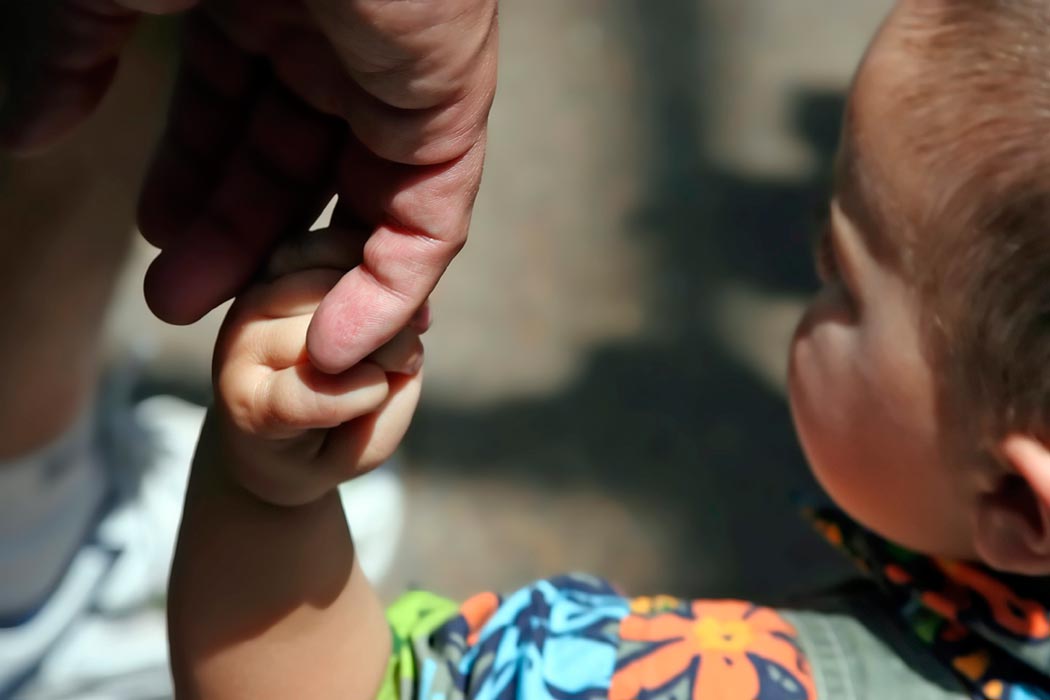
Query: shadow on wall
column 677, row 423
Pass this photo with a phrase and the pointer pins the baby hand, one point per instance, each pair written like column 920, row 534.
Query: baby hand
column 290, row 432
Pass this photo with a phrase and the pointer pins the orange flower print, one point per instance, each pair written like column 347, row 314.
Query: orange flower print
column 709, row 650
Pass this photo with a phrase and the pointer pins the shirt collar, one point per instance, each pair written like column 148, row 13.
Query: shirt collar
column 993, row 630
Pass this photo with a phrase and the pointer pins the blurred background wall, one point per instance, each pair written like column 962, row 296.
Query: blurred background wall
column 604, row 377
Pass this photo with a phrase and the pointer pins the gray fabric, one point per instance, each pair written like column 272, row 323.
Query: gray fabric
column 859, row 651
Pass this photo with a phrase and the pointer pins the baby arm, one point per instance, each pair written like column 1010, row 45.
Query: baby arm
column 266, row 598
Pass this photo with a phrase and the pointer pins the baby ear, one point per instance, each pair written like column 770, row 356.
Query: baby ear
column 1013, row 520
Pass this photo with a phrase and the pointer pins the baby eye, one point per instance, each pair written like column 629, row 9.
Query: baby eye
column 824, row 258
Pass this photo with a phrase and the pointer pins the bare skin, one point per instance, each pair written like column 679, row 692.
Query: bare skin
column 266, row 598
column 67, row 220
column 863, row 391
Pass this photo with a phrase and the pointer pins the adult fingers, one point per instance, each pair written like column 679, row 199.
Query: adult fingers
column 278, row 343
column 263, row 378
column 423, row 215
column 268, row 322
column 427, row 71
column 422, row 319
column 271, row 184
column 217, row 88
column 423, row 76
column 158, row 7
column 403, row 354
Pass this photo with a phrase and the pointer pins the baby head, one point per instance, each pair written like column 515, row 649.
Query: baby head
column 920, row 374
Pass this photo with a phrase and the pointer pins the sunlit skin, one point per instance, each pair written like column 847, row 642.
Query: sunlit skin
column 862, row 392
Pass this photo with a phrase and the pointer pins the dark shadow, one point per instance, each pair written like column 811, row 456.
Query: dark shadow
column 678, row 422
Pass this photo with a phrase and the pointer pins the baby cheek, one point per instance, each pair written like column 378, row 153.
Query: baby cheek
column 813, row 394
column 831, row 406
column 820, row 369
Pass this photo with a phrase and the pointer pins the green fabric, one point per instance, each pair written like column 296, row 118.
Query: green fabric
column 414, row 615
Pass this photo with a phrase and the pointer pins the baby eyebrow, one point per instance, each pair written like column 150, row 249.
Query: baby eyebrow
column 823, row 257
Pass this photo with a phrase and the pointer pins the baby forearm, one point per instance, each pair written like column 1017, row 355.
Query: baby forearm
column 268, row 601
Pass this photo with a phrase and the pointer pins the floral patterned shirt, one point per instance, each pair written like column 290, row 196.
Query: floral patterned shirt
column 578, row 638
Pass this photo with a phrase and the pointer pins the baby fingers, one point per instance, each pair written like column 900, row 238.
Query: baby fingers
column 362, row 445
column 287, row 403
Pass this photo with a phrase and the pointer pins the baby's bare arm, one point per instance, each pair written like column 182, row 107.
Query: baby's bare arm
column 266, row 598
column 268, row 601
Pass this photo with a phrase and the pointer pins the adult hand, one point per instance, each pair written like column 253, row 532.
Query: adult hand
column 278, row 105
